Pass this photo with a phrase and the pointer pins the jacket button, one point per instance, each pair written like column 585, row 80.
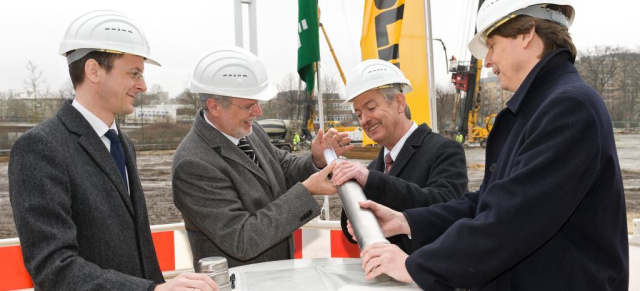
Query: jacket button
column 492, row 167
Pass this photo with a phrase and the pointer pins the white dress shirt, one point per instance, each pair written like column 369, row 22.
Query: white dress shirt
column 99, row 126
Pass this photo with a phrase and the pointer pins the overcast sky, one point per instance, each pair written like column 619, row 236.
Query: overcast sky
column 180, row 32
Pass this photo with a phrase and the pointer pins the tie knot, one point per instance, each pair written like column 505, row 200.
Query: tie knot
column 388, row 159
column 244, row 145
column 112, row 135
column 243, row 142
column 388, row 162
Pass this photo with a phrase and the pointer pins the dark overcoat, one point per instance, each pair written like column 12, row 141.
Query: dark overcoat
column 550, row 213
column 79, row 228
column 429, row 169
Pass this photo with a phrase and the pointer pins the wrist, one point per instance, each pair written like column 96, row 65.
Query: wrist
column 318, row 163
column 404, row 223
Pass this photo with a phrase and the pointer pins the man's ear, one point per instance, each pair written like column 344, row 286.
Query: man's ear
column 527, row 38
column 213, row 107
column 92, row 71
column 401, row 100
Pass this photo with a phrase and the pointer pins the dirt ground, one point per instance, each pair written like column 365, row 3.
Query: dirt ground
column 155, row 171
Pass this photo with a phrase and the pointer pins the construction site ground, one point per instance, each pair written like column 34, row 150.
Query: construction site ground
column 155, row 171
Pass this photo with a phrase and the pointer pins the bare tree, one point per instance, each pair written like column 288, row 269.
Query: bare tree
column 330, row 97
column 611, row 72
column 66, row 91
column 445, row 101
column 288, row 102
column 34, row 85
column 599, row 67
column 190, row 101
column 629, row 81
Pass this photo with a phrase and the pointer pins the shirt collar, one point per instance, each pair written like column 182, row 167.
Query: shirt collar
column 234, row 140
column 396, row 148
column 98, row 125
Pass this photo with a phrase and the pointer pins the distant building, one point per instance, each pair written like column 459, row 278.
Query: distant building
column 164, row 113
column 492, row 97
column 335, row 110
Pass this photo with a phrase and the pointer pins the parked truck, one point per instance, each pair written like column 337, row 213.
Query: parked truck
column 281, row 132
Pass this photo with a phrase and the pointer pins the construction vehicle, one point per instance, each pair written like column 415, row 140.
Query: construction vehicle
column 280, row 132
column 466, row 77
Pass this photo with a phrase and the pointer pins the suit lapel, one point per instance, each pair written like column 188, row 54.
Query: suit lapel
column 135, row 196
column 266, row 170
column 409, row 148
column 92, row 143
column 378, row 163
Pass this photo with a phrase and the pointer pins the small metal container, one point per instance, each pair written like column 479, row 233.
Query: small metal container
column 217, row 269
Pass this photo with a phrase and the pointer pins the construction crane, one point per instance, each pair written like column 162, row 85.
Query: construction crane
column 466, row 78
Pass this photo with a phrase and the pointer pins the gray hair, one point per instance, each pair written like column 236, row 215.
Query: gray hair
column 390, row 93
column 223, row 100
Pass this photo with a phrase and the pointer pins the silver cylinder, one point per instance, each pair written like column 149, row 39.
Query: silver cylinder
column 364, row 222
column 217, row 269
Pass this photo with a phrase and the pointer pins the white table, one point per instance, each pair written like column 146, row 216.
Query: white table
column 310, row 275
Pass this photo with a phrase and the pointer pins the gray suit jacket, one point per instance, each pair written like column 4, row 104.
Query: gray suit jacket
column 233, row 208
column 78, row 227
column 429, row 169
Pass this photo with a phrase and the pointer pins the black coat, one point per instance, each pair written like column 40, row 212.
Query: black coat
column 550, row 213
column 79, row 229
column 429, row 169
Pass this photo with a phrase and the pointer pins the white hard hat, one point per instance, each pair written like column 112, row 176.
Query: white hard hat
column 233, row 72
column 373, row 73
column 494, row 13
column 104, row 30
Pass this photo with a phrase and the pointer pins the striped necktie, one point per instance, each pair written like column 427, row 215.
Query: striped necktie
column 246, row 148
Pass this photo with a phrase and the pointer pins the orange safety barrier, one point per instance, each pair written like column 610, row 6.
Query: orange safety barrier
column 165, row 250
column 12, row 271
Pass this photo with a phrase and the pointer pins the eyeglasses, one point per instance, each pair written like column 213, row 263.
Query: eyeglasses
column 133, row 73
column 246, row 108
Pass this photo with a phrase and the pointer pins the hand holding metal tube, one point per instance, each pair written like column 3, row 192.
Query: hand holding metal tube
column 364, row 223
column 381, row 258
column 391, row 222
column 330, row 140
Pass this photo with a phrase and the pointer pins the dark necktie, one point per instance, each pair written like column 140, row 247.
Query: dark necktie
column 246, row 148
column 388, row 162
column 117, row 153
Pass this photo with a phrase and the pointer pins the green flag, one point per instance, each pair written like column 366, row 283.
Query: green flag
column 308, row 41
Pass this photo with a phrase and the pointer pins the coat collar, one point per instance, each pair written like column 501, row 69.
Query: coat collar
column 225, row 148
column 542, row 66
column 91, row 142
column 415, row 140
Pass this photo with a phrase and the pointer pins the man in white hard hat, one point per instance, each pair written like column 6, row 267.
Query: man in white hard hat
column 77, row 200
column 241, row 197
column 416, row 167
column 550, row 213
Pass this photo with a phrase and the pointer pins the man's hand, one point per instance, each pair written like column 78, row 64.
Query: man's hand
column 189, row 281
column 391, row 222
column 383, row 258
column 319, row 183
column 332, row 139
column 346, row 171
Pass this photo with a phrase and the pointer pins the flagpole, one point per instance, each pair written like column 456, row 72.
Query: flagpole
column 325, row 204
column 433, row 101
